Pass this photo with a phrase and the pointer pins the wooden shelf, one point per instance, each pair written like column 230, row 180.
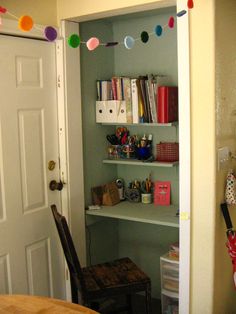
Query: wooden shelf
column 170, row 124
column 146, row 213
column 136, row 162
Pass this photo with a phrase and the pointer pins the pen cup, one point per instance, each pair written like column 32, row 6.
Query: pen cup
column 114, row 151
column 146, row 198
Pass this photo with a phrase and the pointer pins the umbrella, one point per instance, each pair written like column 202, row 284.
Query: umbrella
column 231, row 236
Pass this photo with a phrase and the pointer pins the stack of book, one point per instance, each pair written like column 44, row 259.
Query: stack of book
column 174, row 250
column 148, row 99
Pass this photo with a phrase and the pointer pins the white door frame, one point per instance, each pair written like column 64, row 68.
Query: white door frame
column 10, row 27
column 184, row 126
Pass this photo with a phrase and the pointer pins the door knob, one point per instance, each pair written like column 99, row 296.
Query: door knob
column 54, row 185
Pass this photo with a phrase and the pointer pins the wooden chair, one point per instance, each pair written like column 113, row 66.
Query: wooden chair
column 90, row 284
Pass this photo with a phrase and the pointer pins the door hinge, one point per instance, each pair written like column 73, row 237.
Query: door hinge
column 59, row 81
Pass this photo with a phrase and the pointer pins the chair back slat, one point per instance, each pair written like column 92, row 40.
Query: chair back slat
column 76, row 275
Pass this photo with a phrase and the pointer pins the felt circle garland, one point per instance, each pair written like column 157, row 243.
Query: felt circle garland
column 171, row 22
column 190, row 4
column 181, row 13
column 50, row 33
column 3, row 10
column 144, row 37
column 74, row 41
column 158, row 30
column 111, row 44
column 129, row 42
column 92, row 43
column 25, row 23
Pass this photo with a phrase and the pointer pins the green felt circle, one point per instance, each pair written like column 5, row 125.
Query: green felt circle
column 144, row 37
column 74, row 41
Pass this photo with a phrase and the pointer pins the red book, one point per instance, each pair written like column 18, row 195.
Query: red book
column 167, row 104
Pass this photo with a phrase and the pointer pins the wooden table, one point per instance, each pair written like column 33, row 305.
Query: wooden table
column 27, row 304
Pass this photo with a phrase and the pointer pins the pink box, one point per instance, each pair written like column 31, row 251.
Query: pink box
column 162, row 193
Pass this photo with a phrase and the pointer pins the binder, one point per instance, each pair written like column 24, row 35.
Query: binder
column 167, row 99
column 134, row 97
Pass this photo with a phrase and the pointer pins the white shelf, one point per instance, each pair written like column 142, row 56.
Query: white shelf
column 147, row 213
column 136, row 162
column 144, row 124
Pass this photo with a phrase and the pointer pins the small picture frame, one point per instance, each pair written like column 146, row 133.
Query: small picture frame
column 162, row 193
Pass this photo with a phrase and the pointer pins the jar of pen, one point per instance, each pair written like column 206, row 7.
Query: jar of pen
column 144, row 147
column 124, row 145
column 146, row 191
column 140, row 191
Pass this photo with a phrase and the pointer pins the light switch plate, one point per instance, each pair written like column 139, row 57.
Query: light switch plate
column 223, row 157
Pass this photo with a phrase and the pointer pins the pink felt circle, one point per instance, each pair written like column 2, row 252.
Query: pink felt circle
column 3, row 10
column 92, row 43
column 171, row 22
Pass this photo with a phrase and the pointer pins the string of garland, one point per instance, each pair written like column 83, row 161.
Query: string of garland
column 25, row 24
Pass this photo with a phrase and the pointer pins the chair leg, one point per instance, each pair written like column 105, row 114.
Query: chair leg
column 148, row 299
column 74, row 291
column 129, row 303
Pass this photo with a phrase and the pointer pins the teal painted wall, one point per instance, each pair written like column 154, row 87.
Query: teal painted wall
column 102, row 237
column 144, row 243
column 98, row 64
column 157, row 56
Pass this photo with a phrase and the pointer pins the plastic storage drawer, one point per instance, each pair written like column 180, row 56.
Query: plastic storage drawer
column 169, row 273
column 169, row 302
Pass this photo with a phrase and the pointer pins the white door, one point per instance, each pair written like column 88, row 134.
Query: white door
column 31, row 260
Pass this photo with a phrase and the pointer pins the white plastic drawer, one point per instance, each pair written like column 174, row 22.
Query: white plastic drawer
column 169, row 303
column 169, row 274
column 169, row 269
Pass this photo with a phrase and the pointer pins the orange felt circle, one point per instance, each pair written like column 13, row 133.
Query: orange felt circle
column 25, row 23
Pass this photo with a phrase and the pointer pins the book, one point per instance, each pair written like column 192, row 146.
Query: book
column 158, row 80
column 151, row 98
column 167, row 99
column 104, row 90
column 114, row 87
column 117, row 88
column 162, row 193
column 140, row 103
column 143, row 94
column 134, row 97
column 126, row 95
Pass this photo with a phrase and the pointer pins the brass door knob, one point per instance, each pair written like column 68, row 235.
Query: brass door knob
column 54, row 185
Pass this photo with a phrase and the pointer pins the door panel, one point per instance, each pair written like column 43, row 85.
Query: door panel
column 31, row 259
column 5, row 283
column 32, row 159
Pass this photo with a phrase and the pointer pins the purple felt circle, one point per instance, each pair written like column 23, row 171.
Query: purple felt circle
column 50, row 33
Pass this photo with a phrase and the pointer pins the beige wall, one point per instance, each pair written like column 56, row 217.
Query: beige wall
column 42, row 11
column 225, row 136
column 74, row 8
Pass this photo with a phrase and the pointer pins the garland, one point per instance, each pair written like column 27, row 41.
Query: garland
column 26, row 23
